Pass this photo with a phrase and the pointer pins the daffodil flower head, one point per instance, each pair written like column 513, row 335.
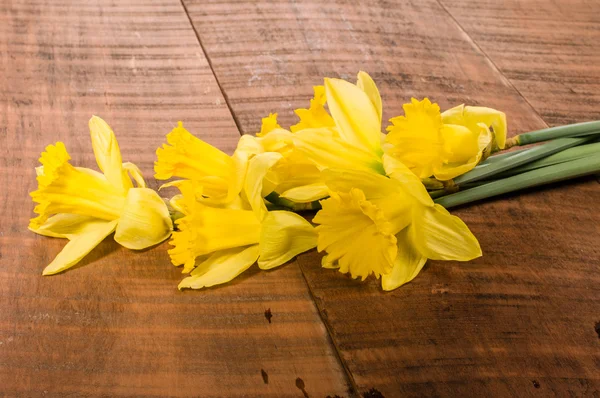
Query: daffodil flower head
column 388, row 227
column 218, row 243
column 85, row 206
column 187, row 157
column 355, row 141
column 430, row 147
column 295, row 177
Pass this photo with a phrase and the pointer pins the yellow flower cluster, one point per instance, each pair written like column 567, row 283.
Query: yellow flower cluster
column 376, row 217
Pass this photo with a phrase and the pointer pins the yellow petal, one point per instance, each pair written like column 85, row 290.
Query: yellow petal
column 399, row 172
column 460, row 143
column 79, row 245
column 221, row 267
column 257, row 169
column 366, row 84
column 470, row 116
column 354, row 115
column 269, row 123
column 326, row 150
column 283, row 236
column 108, row 155
column 409, row 262
column 65, row 225
column 438, row 235
column 374, row 186
column 316, row 115
column 306, row 193
column 134, row 172
column 145, row 220
column 356, row 234
column 415, row 139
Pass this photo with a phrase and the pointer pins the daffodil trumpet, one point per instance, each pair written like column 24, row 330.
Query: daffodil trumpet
column 86, row 206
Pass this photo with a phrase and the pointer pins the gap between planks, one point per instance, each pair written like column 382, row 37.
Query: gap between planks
column 491, row 61
column 212, row 69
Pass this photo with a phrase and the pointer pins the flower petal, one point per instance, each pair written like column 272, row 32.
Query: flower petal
column 64, row 225
column 374, row 186
column 470, row 116
column 221, row 267
column 80, row 244
column 257, row 169
column 145, row 220
column 108, row 155
column 407, row 265
column 438, row 235
column 306, row 193
column 354, row 114
column 399, row 172
column 284, row 235
column 134, row 172
column 366, row 84
column 327, row 150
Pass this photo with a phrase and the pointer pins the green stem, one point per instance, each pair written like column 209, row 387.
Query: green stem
column 551, row 133
column 567, row 155
column 518, row 159
column 545, row 175
column 502, row 155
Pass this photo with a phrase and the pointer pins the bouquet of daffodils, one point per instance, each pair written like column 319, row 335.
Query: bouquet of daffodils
column 380, row 199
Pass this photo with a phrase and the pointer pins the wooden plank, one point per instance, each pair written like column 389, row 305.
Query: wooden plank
column 517, row 322
column 116, row 325
column 267, row 55
column 550, row 51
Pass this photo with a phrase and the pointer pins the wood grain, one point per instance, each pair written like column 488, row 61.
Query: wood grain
column 550, row 51
column 519, row 321
column 116, row 325
column 267, row 55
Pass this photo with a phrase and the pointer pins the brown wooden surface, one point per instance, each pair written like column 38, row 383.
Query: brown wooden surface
column 548, row 49
column 517, row 322
column 116, row 325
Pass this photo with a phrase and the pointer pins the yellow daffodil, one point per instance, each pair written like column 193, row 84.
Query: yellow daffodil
column 294, row 177
column 86, row 206
column 355, row 140
column 200, row 164
column 388, row 227
column 444, row 145
column 218, row 243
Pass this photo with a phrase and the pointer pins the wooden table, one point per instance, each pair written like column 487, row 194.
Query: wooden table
column 520, row 321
